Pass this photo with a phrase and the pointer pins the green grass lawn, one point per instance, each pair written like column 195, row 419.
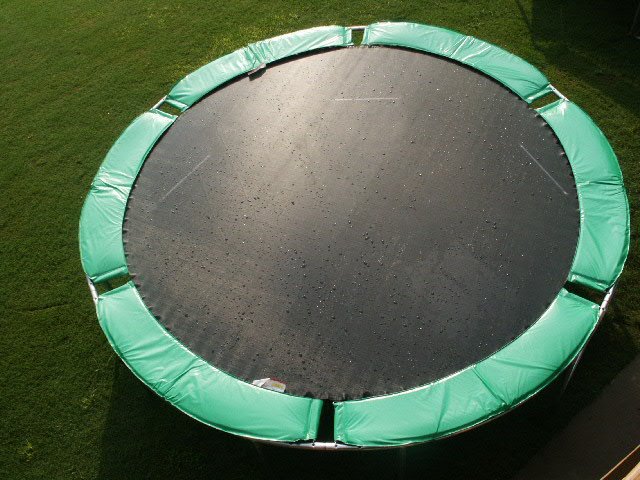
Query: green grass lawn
column 75, row 73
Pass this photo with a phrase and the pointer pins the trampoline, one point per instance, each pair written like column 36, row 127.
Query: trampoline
column 385, row 236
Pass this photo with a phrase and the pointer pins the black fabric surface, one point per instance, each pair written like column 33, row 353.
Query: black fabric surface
column 353, row 222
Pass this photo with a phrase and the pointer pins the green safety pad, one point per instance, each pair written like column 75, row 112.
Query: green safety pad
column 519, row 76
column 603, row 245
column 591, row 157
column 476, row 393
column 197, row 84
column 455, row 403
column 194, row 386
column 101, row 248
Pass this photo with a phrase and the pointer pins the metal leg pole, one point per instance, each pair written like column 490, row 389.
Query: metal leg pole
column 262, row 459
column 635, row 25
column 574, row 365
column 402, row 462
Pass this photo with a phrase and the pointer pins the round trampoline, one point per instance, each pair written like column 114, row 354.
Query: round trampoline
column 383, row 237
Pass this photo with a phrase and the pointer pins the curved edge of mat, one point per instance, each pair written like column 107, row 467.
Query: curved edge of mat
column 477, row 393
column 193, row 385
column 100, row 231
column 603, row 244
column 202, row 81
column 519, row 76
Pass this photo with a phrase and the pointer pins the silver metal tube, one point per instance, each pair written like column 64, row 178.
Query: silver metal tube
column 157, row 105
column 557, row 92
column 323, row 446
column 93, row 290
column 606, row 301
column 315, row 445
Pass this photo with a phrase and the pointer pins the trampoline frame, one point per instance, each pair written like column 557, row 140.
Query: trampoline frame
column 445, row 407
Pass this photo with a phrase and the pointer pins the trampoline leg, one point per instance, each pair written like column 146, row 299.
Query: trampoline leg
column 635, row 26
column 261, row 458
column 260, row 453
column 93, row 290
column 569, row 375
column 572, row 367
column 402, row 463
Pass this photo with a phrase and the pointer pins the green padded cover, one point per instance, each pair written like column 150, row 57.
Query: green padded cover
column 101, row 248
column 604, row 209
column 197, row 84
column 194, row 386
column 519, row 76
column 455, row 403
column 477, row 393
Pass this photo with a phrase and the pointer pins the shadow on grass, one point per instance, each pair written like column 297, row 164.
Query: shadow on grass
column 590, row 41
column 145, row 437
